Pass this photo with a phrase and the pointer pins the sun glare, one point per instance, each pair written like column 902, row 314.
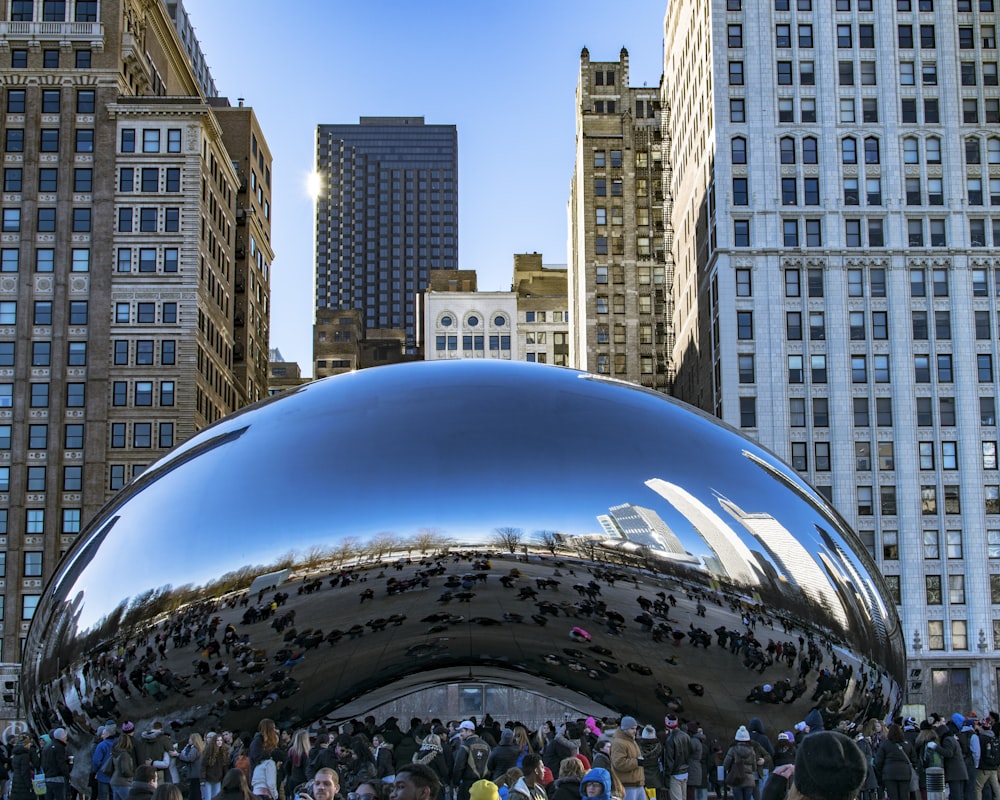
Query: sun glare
column 313, row 184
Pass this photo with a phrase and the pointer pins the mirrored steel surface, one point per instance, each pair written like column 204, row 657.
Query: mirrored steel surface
column 453, row 520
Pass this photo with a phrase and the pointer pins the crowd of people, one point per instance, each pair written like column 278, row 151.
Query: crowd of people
column 579, row 759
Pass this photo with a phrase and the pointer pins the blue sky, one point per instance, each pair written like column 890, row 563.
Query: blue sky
column 504, row 72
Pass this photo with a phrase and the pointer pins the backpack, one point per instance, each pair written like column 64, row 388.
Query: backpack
column 932, row 757
column 989, row 757
column 477, row 754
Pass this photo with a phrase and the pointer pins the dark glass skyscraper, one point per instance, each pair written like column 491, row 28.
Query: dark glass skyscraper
column 386, row 215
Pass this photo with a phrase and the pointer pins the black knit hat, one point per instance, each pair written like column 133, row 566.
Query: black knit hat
column 829, row 766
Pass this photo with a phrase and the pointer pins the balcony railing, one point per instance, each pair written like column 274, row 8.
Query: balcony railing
column 61, row 31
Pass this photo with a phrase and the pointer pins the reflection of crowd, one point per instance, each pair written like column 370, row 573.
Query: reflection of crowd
column 230, row 663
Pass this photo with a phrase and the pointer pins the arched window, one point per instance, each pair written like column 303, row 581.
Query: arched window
column 933, row 146
column 911, row 151
column 993, row 150
column 810, row 150
column 787, row 150
column 739, row 146
column 973, row 150
column 849, row 150
column 499, row 321
column 871, row 150
column 446, row 320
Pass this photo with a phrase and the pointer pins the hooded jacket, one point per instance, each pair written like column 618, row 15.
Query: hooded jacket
column 601, row 776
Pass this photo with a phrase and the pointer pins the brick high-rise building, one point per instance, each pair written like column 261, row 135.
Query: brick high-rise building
column 619, row 267
column 131, row 247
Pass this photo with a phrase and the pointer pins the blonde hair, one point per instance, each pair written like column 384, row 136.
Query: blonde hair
column 196, row 741
column 570, row 766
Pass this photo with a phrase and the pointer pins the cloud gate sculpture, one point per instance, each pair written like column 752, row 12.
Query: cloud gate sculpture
column 368, row 535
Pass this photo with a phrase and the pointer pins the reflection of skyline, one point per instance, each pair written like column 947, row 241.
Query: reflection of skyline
column 793, row 560
column 639, row 527
column 735, row 558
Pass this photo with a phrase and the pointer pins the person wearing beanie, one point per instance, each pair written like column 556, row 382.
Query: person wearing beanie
column 828, row 766
column 740, row 766
column 676, row 755
column 505, row 755
column 55, row 765
column 626, row 759
column 101, row 755
column 698, row 768
column 650, row 750
column 956, row 774
column 596, row 785
column 484, row 790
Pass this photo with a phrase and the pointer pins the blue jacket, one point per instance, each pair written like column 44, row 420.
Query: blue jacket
column 603, row 777
column 101, row 754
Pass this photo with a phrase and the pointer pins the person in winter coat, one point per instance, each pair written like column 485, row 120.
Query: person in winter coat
column 214, row 765
column 296, row 762
column 504, row 756
column 828, row 766
column 382, row 755
column 869, row 789
column 697, row 783
column 55, row 765
column 955, row 772
column 234, row 786
column 596, row 785
column 101, row 754
column 529, row 785
column 784, row 750
column 650, row 750
column 567, row 785
column 24, row 759
column 189, row 759
column 123, row 758
column 625, row 763
column 602, row 754
column 564, row 744
column 431, row 754
column 894, row 761
column 740, row 765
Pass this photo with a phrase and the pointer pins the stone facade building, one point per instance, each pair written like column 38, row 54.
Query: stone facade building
column 124, row 207
column 835, row 182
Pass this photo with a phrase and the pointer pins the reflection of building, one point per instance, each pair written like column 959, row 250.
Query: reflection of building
column 386, row 215
column 736, row 561
column 134, row 306
column 645, row 527
column 794, row 562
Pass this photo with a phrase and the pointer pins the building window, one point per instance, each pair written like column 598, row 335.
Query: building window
column 748, row 412
column 744, row 325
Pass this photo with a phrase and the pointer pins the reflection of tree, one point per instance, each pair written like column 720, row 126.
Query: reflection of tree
column 345, row 550
column 549, row 540
column 508, row 538
column 383, row 544
column 428, row 539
